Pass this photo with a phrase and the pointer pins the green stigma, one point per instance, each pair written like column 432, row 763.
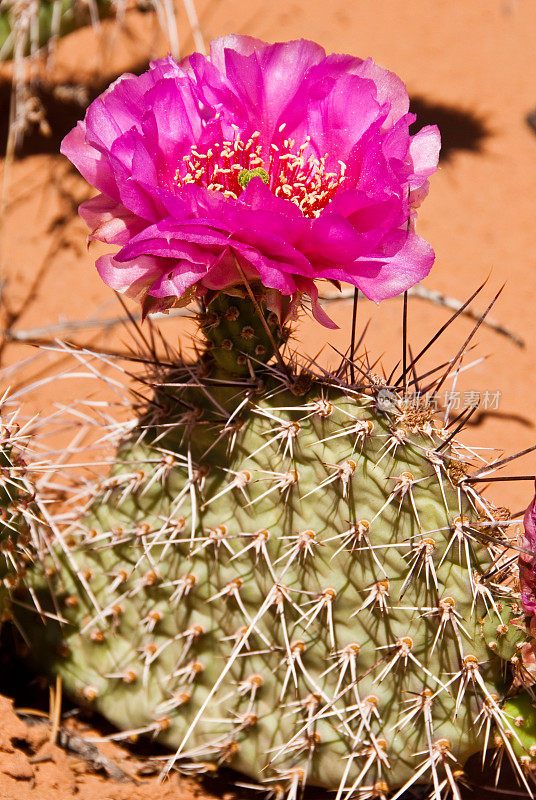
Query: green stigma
column 246, row 175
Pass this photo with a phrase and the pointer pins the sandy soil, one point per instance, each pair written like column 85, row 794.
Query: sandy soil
column 32, row 767
column 469, row 66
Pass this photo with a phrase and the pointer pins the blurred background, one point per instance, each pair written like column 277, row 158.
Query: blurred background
column 469, row 67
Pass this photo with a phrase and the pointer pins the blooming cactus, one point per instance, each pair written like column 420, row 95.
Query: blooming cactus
column 282, row 572
column 271, row 163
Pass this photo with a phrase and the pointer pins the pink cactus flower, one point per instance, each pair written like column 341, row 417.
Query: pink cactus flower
column 527, row 563
column 272, row 163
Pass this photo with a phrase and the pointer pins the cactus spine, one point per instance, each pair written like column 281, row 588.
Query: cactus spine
column 290, row 575
column 17, row 515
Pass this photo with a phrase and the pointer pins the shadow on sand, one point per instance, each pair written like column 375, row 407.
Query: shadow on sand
column 460, row 129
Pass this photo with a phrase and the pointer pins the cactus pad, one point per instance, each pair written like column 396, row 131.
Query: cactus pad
column 305, row 588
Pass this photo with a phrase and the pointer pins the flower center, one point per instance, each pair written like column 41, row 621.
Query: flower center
column 290, row 174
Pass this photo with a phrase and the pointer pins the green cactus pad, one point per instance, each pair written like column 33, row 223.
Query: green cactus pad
column 237, row 338
column 301, row 587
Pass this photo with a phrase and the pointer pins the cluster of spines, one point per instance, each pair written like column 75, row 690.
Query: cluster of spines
column 18, row 517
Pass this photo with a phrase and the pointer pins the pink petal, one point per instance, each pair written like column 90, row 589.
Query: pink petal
column 93, row 165
column 109, row 221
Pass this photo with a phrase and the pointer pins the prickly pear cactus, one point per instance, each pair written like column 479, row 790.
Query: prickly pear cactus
column 289, row 575
column 284, row 572
column 16, row 514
